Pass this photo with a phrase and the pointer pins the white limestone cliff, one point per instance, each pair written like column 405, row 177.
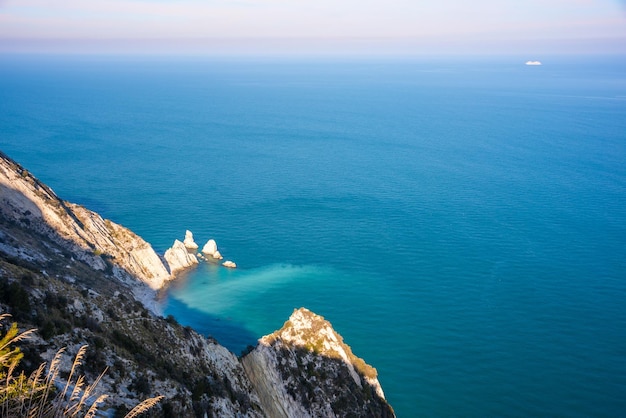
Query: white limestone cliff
column 179, row 258
column 344, row 383
column 100, row 243
column 189, row 242
column 304, row 369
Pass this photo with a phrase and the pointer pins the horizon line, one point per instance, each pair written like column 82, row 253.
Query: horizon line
column 380, row 46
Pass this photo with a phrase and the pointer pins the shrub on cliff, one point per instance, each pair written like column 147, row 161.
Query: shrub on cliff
column 43, row 395
column 15, row 296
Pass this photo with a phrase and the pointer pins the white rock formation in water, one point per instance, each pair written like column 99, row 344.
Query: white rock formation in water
column 189, row 242
column 229, row 264
column 210, row 248
column 179, row 258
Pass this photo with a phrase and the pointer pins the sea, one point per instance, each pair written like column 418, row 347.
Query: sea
column 461, row 221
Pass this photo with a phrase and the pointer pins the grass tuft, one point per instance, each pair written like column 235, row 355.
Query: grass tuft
column 37, row 396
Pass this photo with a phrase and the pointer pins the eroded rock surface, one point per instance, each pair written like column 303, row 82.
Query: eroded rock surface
column 189, row 242
column 306, row 370
column 179, row 258
column 229, row 264
column 100, row 243
column 210, row 248
column 80, row 279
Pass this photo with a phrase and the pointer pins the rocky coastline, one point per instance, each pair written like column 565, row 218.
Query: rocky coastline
column 81, row 279
column 184, row 255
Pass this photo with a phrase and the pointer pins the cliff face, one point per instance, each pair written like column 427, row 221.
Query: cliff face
column 179, row 258
column 80, row 279
column 99, row 243
column 306, row 370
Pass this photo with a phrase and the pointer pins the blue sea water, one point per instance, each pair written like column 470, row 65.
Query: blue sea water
column 461, row 222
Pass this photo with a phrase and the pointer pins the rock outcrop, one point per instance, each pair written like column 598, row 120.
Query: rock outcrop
column 189, row 242
column 80, row 279
column 75, row 278
column 306, row 370
column 229, row 264
column 210, row 248
column 179, row 258
column 102, row 244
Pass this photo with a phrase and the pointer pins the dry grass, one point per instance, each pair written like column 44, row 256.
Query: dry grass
column 43, row 394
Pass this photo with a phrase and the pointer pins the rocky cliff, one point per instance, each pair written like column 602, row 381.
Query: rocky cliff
column 306, row 370
column 80, row 279
column 99, row 243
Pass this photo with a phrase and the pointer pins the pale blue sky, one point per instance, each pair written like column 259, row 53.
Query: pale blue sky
column 314, row 26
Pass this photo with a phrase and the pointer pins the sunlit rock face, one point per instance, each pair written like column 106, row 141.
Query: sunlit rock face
column 99, row 280
column 179, row 258
column 189, row 242
column 306, row 370
column 229, row 264
column 210, row 248
column 92, row 282
column 100, row 243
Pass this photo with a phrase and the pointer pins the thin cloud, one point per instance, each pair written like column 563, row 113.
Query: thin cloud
column 300, row 19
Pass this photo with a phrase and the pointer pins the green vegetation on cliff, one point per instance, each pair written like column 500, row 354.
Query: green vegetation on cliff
column 44, row 394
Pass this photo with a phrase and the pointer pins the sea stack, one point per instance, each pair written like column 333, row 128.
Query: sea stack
column 229, row 264
column 210, row 248
column 189, row 242
column 179, row 258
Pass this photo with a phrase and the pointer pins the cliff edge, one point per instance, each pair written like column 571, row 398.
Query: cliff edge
column 102, row 244
column 80, row 279
column 306, row 370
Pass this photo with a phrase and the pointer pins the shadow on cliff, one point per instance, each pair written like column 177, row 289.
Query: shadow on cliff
column 27, row 232
column 317, row 382
column 311, row 380
column 232, row 335
column 27, row 246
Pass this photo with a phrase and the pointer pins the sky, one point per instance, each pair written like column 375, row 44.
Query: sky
column 314, row 26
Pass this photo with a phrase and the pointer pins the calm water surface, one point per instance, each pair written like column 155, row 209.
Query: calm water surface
column 462, row 223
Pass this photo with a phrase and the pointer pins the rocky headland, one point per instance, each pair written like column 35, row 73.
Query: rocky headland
column 81, row 279
column 306, row 370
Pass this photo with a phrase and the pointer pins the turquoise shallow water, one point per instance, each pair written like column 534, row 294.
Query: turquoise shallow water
column 462, row 223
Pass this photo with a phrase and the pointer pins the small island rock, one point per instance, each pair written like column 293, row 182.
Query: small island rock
column 210, row 248
column 229, row 264
column 189, row 242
